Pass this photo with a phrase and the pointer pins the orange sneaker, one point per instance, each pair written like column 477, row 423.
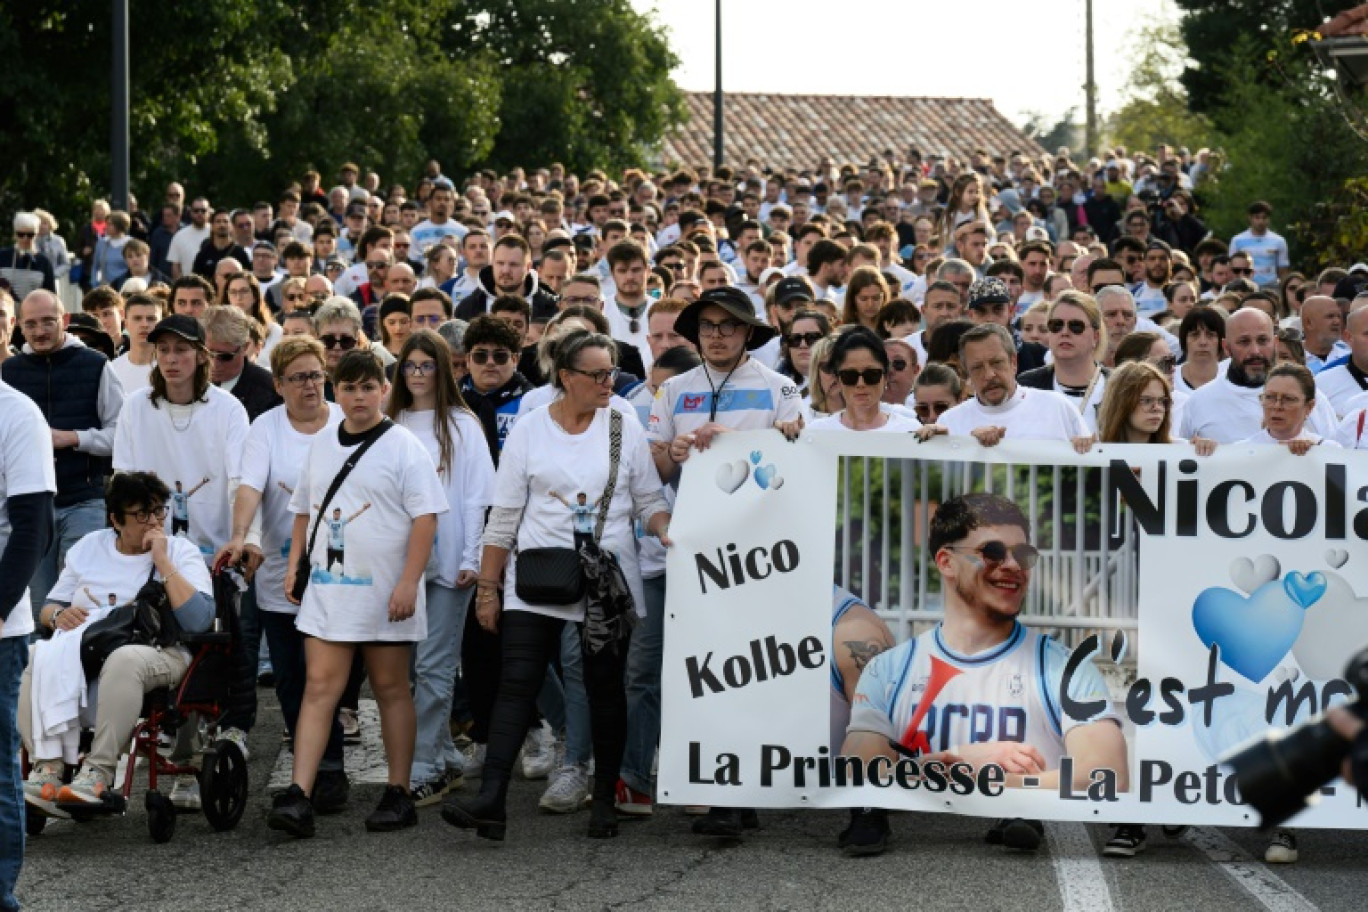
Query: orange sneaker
column 87, row 788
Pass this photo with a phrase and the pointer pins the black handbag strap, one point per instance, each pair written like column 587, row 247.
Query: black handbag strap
column 375, row 434
column 614, row 460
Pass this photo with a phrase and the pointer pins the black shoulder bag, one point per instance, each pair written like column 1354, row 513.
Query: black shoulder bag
column 304, row 565
column 149, row 620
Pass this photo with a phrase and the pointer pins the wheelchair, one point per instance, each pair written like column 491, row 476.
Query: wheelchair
column 201, row 695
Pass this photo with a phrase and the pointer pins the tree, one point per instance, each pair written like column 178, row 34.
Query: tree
column 1066, row 131
column 1155, row 109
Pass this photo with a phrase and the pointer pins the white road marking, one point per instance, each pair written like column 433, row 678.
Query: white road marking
column 365, row 762
column 1082, row 881
column 1255, row 877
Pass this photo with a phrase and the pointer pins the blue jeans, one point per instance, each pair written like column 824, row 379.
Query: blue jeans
column 643, row 689
column 287, row 650
column 13, row 658
column 434, row 674
column 73, row 524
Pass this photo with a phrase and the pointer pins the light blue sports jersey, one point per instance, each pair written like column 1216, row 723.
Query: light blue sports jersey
column 1009, row 692
column 841, row 603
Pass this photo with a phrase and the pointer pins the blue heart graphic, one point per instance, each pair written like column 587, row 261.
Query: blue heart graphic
column 756, row 456
column 763, row 475
column 1305, row 590
column 1253, row 633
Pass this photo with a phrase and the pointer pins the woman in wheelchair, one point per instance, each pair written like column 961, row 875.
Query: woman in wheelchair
column 104, row 569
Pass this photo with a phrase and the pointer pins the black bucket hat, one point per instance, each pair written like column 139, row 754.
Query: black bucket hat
column 737, row 304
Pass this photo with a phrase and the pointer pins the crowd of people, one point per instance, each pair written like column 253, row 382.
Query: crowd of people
column 533, row 357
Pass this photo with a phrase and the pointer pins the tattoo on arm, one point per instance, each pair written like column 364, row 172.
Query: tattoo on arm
column 864, row 651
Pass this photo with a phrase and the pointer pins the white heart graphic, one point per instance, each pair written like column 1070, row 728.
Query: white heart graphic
column 1249, row 575
column 732, row 475
column 1337, row 557
column 1336, row 628
column 776, row 483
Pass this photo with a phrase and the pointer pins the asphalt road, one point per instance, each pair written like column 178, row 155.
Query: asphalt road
column 936, row 862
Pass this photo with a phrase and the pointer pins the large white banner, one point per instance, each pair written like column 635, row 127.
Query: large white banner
column 1237, row 580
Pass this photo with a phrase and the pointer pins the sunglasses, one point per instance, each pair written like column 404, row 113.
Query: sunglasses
column 499, row 356
column 23, row 234
column 898, row 364
column 994, row 553
column 872, row 376
column 225, row 357
column 799, row 340
column 1076, row 327
column 1241, row 272
column 346, row 343
column 930, row 409
column 1166, row 363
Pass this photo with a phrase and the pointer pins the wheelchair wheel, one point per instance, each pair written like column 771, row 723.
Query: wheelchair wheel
column 161, row 817
column 34, row 822
column 223, row 785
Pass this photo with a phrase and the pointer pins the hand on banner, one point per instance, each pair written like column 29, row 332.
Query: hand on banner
column 1012, row 756
column 678, row 449
column 1203, row 446
column 1083, row 444
column 790, row 429
column 990, row 435
column 927, row 431
column 1300, row 447
column 700, row 439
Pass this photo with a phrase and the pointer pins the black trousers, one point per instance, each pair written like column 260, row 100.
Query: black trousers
column 530, row 642
column 481, row 666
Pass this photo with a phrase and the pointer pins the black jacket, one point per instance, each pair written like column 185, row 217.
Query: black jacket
column 1042, row 378
column 544, row 302
column 256, row 390
column 1030, row 355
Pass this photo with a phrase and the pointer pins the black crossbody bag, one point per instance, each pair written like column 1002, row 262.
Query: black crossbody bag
column 148, row 620
column 304, row 566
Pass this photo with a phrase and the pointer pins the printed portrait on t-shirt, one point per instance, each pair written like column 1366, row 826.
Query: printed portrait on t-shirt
column 334, row 569
column 180, row 507
column 583, row 512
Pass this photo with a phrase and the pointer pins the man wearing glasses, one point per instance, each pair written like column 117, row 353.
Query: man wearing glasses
column 492, row 347
column 22, row 265
column 915, row 699
column 185, row 246
column 228, row 338
column 80, row 397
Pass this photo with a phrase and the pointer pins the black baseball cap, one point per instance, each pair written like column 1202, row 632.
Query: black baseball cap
column 181, row 326
column 793, row 288
column 87, row 328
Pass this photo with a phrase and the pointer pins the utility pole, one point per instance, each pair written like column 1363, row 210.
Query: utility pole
column 118, row 119
column 717, row 95
column 1090, row 86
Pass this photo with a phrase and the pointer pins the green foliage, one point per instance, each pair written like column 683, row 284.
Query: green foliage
column 239, row 96
column 1155, row 109
column 1066, row 131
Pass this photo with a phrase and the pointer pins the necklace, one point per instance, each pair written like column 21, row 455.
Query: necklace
column 182, row 425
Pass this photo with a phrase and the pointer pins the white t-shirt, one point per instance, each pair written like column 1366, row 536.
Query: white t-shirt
column 352, row 278
column 1028, row 414
column 1227, row 413
column 362, row 543
column 898, row 423
column 1352, row 433
column 1149, row 300
column 1267, row 254
column 620, row 328
column 271, row 463
column 426, row 233
column 1263, row 438
column 1087, row 410
column 769, row 354
column 185, row 246
column 134, row 377
column 752, row 398
column 26, row 467
column 1180, row 384
column 469, row 486
column 197, row 448
column 539, row 458
column 1339, row 386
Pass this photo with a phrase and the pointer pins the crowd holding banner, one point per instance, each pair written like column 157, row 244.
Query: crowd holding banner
column 455, row 424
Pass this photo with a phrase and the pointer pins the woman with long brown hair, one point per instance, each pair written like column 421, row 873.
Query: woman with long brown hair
column 243, row 291
column 427, row 401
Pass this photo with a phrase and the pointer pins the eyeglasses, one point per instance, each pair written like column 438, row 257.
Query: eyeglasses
column 995, row 553
column 1241, row 272
column 225, row 357
column 378, row 264
column 584, row 300
column 1166, row 363
column 726, row 329
column 499, row 356
column 295, row 296
column 143, row 516
column 1151, row 402
column 306, row 378
column 415, row 369
column 23, row 234
column 1277, row 401
column 800, row 340
column 926, row 410
column 872, row 376
column 600, row 377
column 1075, row 327
column 346, row 343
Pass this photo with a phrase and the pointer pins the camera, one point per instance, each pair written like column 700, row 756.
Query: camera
column 1277, row 774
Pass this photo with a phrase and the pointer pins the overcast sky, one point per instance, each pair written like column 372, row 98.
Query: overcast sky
column 1030, row 54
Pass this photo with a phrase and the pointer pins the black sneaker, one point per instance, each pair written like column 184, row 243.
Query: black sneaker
column 394, row 812
column 292, row 813
column 1016, row 833
column 725, row 823
column 1127, row 842
column 331, row 791
column 867, row 834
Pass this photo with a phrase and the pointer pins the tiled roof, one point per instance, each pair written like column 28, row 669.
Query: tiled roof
column 798, row 130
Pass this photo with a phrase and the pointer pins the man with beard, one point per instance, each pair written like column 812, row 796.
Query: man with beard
column 1228, row 409
column 912, row 699
column 1001, row 407
column 1149, row 294
column 509, row 273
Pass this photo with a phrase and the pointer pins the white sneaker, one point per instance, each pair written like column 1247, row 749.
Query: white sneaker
column 238, row 737
column 567, row 791
column 538, row 755
column 41, row 787
column 1282, row 848
column 185, row 794
column 474, row 761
